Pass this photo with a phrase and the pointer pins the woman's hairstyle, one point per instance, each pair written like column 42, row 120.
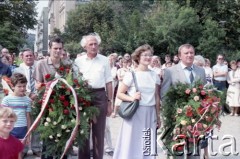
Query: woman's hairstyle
column 83, row 42
column 137, row 53
column 18, row 78
column 233, row 62
column 124, row 60
column 199, row 60
column 207, row 61
column 7, row 112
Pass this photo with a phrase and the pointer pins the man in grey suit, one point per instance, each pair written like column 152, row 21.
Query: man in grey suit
column 185, row 71
column 27, row 69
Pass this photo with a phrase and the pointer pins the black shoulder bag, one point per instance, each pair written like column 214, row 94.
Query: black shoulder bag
column 127, row 109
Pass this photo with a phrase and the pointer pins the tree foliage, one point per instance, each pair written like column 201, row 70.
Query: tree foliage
column 165, row 25
column 17, row 16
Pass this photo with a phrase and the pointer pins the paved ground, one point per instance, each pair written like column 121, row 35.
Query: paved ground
column 229, row 133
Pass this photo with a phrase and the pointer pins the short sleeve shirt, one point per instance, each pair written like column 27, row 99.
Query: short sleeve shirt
column 10, row 148
column 20, row 105
column 43, row 68
column 222, row 68
column 146, row 81
column 96, row 71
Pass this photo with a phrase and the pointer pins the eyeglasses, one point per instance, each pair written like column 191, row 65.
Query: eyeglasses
column 145, row 55
column 220, row 58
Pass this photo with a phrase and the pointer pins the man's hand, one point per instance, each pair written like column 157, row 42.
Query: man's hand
column 32, row 96
column 109, row 108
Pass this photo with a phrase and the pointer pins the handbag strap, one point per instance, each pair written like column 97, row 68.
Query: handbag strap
column 135, row 80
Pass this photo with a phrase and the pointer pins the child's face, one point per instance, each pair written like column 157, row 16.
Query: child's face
column 20, row 89
column 6, row 124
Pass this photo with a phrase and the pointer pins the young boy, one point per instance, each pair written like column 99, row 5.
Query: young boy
column 10, row 147
column 21, row 105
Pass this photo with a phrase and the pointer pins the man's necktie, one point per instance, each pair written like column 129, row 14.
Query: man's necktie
column 31, row 79
column 191, row 77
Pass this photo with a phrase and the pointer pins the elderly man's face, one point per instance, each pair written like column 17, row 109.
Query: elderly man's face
column 5, row 52
column 28, row 58
column 92, row 45
column 187, row 56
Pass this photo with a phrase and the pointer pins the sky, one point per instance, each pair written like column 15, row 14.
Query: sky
column 39, row 7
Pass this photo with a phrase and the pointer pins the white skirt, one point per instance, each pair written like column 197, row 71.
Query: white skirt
column 137, row 138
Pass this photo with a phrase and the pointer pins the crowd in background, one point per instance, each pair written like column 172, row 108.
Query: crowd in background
column 221, row 74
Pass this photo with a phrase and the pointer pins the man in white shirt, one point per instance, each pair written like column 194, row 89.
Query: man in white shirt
column 220, row 71
column 95, row 68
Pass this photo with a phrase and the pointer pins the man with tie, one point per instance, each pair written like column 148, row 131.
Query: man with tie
column 185, row 71
column 27, row 68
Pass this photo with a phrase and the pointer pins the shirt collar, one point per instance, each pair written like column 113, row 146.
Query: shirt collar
column 87, row 58
column 49, row 61
column 184, row 66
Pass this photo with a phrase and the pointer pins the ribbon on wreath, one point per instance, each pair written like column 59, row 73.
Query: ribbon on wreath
column 49, row 88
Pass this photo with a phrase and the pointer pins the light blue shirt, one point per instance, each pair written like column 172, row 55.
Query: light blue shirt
column 187, row 72
column 20, row 105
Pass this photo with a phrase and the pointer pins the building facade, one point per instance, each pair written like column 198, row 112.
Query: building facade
column 58, row 13
column 41, row 43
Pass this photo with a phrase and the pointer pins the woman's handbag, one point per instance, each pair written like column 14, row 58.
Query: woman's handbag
column 127, row 109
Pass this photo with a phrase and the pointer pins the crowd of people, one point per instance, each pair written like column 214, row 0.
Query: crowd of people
column 111, row 83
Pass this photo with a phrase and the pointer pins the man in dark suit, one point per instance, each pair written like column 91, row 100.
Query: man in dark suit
column 185, row 71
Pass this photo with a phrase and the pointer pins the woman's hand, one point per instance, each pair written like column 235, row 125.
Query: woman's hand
column 137, row 96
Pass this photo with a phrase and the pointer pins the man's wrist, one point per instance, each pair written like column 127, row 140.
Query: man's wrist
column 110, row 100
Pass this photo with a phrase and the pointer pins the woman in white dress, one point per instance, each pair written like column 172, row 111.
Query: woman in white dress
column 137, row 138
column 233, row 92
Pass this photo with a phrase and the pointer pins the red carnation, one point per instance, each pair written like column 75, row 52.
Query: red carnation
column 80, row 99
column 189, row 113
column 63, row 85
column 199, row 125
column 178, row 147
column 61, row 68
column 65, row 103
column 47, row 76
column 51, row 101
column 53, row 92
column 200, row 110
column 68, row 90
column 65, row 111
column 200, row 87
column 87, row 104
column 40, row 102
column 72, row 107
column 75, row 81
column 43, row 85
column 203, row 92
column 67, row 70
column 208, row 118
column 50, row 109
column 62, row 98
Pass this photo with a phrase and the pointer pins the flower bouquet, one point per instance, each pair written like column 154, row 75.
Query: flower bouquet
column 57, row 109
column 190, row 112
